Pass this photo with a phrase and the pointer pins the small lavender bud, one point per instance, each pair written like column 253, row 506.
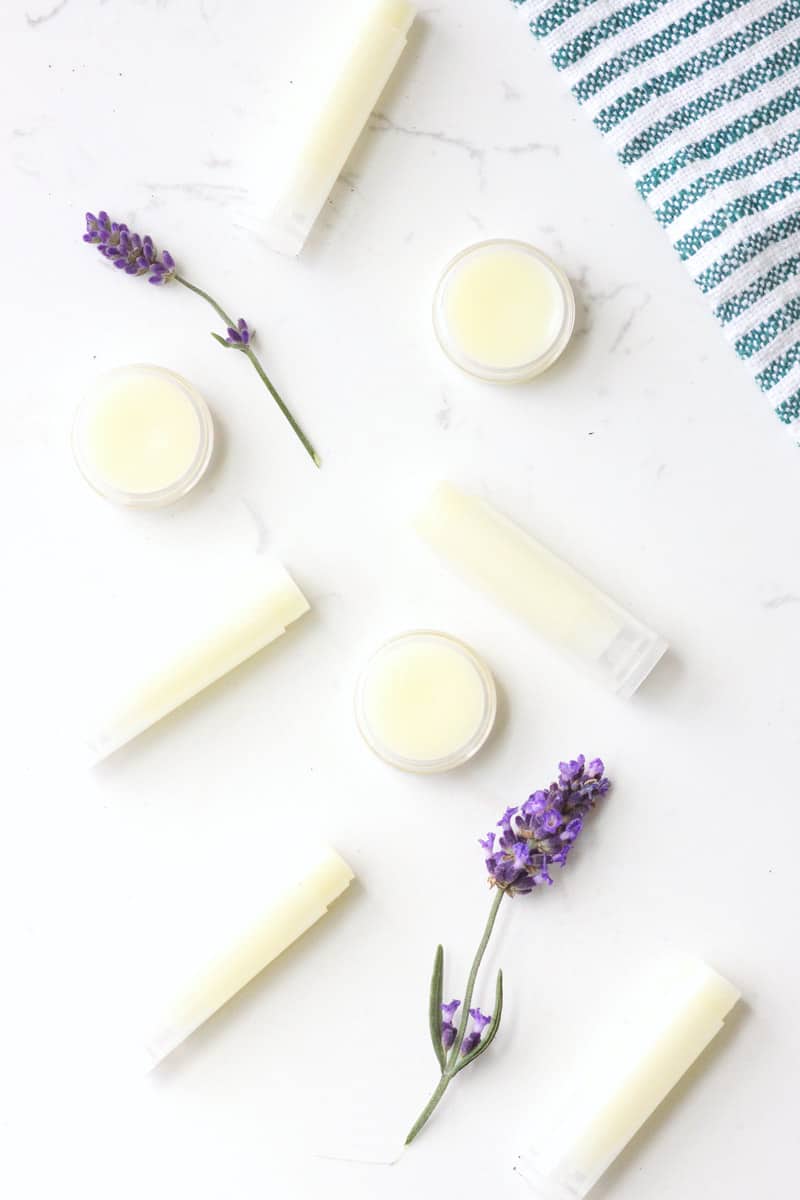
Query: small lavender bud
column 241, row 336
column 469, row 1043
column 473, row 1038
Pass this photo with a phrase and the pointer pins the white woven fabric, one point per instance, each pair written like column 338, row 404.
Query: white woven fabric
column 701, row 103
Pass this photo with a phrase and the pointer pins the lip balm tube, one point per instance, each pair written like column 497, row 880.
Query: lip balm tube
column 343, row 106
column 678, row 1016
column 253, row 611
column 248, row 951
column 495, row 555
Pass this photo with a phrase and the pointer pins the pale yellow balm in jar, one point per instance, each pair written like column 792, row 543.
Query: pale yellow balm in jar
column 425, row 702
column 143, row 436
column 503, row 311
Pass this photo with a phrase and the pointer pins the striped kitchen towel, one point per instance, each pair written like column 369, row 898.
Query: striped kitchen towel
column 701, row 102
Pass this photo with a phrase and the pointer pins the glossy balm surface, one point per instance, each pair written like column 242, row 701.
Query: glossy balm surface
column 425, row 702
column 142, row 435
column 503, row 311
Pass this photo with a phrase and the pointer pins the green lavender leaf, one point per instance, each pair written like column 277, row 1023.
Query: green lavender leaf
column 491, row 1029
column 435, row 1006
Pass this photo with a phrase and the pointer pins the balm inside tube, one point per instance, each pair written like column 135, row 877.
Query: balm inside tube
column 246, row 951
column 143, row 436
column 249, row 611
column 347, row 90
column 503, row 311
column 673, row 1021
column 500, row 558
column 425, row 702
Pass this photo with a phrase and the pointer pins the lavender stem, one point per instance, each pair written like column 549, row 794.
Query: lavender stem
column 449, row 1071
column 248, row 350
column 422, row 1119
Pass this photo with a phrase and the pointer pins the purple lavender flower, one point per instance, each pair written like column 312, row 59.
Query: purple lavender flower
column 522, row 855
column 129, row 252
column 241, row 336
column 136, row 255
column 571, row 770
column 505, row 821
column 535, row 804
column 532, row 838
column 163, row 271
column 474, row 1036
column 448, row 1028
column 543, row 831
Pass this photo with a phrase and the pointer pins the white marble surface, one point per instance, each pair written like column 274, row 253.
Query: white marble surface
column 645, row 457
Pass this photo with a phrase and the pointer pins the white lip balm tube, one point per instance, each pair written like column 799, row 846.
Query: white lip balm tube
column 227, row 969
column 494, row 554
column 676, row 1018
column 343, row 103
column 250, row 611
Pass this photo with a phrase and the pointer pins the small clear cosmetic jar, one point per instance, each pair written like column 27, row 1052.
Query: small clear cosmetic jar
column 425, row 702
column 503, row 311
column 143, row 436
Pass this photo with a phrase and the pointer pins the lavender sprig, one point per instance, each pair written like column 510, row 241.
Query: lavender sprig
column 448, row 1028
column 136, row 255
column 534, row 837
column 239, row 337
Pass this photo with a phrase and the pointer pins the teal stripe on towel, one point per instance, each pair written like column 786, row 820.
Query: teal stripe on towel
column 760, row 337
column 556, row 15
column 746, row 251
column 766, row 283
column 671, row 209
column 642, row 52
column 727, row 135
column 749, row 81
column 730, row 214
column 778, row 368
column 693, row 68
column 701, row 100
column 788, row 411
column 611, row 25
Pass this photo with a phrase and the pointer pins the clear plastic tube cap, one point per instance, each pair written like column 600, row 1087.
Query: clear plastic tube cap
column 630, row 656
column 545, row 1187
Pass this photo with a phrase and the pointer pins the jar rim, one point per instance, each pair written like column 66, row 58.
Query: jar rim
column 159, row 497
column 455, row 758
column 519, row 372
